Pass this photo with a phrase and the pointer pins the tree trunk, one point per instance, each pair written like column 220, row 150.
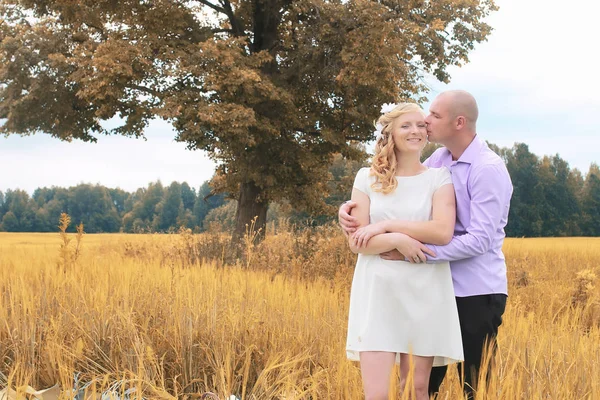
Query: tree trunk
column 249, row 208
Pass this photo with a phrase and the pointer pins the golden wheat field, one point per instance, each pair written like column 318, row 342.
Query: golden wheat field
column 172, row 316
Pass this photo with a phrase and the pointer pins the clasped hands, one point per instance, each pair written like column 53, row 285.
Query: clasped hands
column 407, row 248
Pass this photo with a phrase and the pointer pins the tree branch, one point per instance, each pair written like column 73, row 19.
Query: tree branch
column 213, row 6
column 144, row 89
column 223, row 30
column 235, row 24
column 99, row 29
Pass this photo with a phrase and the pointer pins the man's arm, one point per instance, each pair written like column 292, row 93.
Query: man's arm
column 491, row 190
column 379, row 244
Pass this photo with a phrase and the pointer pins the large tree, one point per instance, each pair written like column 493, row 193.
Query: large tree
column 270, row 89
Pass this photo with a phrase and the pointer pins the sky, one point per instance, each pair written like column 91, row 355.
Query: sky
column 535, row 81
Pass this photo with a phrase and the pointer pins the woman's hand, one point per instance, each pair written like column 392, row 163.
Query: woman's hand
column 412, row 249
column 363, row 235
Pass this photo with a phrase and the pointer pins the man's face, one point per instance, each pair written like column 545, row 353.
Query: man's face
column 439, row 121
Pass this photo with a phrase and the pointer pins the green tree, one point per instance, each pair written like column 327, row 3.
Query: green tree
column 524, row 218
column 10, row 223
column 557, row 204
column 566, row 204
column 591, row 202
column 270, row 89
column 188, row 196
column 94, row 207
column 49, row 212
column 429, row 149
column 575, row 184
column 169, row 208
column 206, row 200
column 43, row 195
column 145, row 209
column 221, row 218
column 129, row 217
column 119, row 198
column 42, row 221
column 21, row 207
column 2, row 211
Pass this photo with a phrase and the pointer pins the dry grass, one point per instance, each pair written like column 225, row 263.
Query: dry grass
column 171, row 317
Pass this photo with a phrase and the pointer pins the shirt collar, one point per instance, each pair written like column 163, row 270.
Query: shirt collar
column 470, row 154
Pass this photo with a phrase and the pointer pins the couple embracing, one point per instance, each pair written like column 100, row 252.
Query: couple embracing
column 429, row 288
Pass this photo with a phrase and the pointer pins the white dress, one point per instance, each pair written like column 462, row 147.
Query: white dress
column 397, row 306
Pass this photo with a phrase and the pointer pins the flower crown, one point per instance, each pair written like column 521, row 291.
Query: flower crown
column 385, row 108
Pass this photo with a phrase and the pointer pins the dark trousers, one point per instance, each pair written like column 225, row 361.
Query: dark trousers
column 480, row 317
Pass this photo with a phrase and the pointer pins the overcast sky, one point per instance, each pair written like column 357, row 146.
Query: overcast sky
column 535, row 79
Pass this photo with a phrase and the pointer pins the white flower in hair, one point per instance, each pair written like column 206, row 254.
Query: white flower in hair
column 378, row 129
column 387, row 107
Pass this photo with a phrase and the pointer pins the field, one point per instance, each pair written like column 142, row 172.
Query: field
column 171, row 316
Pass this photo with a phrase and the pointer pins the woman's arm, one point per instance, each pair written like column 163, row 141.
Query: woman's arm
column 382, row 242
column 361, row 212
column 439, row 230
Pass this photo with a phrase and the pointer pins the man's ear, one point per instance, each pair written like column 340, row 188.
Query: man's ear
column 461, row 122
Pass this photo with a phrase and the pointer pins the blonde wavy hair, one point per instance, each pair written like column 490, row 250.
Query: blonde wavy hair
column 383, row 166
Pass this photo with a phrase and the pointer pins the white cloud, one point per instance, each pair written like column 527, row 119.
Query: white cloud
column 115, row 161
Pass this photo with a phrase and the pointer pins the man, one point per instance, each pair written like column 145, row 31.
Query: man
column 483, row 192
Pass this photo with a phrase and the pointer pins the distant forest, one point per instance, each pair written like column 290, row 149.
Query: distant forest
column 549, row 199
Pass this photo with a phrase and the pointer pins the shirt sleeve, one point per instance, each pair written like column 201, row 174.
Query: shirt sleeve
column 432, row 160
column 491, row 190
column 361, row 182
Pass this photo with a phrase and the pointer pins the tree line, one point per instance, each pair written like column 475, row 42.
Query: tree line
column 549, row 199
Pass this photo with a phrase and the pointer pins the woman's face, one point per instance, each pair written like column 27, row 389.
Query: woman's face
column 410, row 132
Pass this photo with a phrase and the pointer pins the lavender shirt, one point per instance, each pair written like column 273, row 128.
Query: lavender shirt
column 483, row 191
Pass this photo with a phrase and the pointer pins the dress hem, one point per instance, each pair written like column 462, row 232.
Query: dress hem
column 352, row 355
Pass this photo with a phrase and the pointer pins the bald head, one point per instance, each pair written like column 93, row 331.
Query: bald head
column 461, row 103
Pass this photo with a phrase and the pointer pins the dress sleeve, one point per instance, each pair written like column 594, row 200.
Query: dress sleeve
column 444, row 177
column 361, row 182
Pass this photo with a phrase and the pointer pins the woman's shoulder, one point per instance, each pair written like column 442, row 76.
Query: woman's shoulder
column 364, row 171
column 361, row 181
column 440, row 171
column 441, row 175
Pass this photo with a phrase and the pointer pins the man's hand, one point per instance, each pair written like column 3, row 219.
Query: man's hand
column 364, row 234
column 410, row 250
column 347, row 222
column 393, row 255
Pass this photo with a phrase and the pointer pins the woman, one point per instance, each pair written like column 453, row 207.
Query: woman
column 401, row 310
